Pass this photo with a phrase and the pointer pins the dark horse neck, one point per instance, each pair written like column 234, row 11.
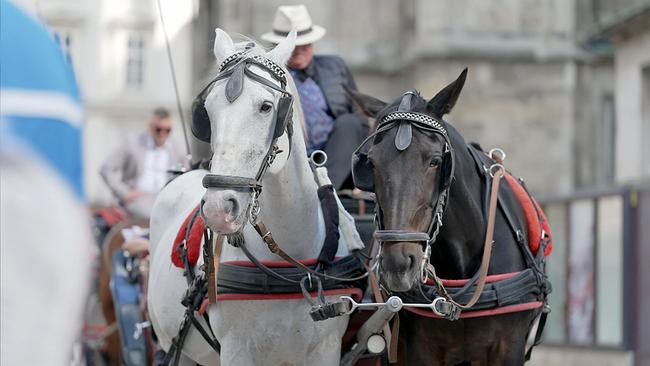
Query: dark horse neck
column 458, row 250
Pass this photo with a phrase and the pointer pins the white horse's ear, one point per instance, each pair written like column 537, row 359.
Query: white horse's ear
column 282, row 52
column 223, row 45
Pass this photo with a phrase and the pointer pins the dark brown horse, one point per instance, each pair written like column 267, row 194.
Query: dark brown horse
column 409, row 168
column 112, row 242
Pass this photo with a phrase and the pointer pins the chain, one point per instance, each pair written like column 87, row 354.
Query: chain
column 254, row 208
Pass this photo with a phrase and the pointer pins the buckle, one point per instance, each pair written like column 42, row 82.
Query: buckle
column 328, row 310
column 445, row 309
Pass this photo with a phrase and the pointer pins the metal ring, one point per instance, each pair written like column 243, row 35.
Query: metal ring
column 499, row 168
column 353, row 304
column 434, row 305
column 424, row 273
column 318, row 158
column 500, row 157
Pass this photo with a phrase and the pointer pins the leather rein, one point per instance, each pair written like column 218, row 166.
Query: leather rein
column 451, row 308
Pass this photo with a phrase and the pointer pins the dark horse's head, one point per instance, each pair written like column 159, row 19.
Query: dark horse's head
column 409, row 165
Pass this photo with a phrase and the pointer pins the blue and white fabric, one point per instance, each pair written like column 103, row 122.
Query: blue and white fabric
column 39, row 101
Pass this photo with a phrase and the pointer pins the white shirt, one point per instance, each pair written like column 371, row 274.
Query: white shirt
column 154, row 169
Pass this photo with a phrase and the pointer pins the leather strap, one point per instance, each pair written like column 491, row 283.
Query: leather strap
column 208, row 264
column 392, row 350
column 216, row 246
column 229, row 181
column 273, row 246
column 376, row 292
column 400, row 235
column 487, row 246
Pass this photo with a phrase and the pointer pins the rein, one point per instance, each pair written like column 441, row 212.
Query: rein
column 496, row 173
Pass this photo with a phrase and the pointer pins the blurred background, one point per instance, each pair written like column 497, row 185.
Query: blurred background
column 563, row 86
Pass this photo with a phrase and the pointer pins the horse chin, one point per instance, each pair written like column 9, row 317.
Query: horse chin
column 399, row 281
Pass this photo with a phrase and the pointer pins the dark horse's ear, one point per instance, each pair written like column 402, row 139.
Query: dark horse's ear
column 370, row 106
column 445, row 100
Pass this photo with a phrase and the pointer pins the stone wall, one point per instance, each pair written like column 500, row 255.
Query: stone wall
column 530, row 90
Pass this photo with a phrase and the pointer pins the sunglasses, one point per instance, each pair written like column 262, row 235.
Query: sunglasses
column 161, row 130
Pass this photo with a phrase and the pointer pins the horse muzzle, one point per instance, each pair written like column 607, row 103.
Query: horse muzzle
column 224, row 211
column 402, row 257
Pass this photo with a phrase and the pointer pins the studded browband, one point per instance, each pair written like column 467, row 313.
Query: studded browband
column 266, row 63
column 415, row 117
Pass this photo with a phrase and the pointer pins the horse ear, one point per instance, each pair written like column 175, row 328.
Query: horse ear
column 282, row 52
column 370, row 106
column 223, row 45
column 445, row 100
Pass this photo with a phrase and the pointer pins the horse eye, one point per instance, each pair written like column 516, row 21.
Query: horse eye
column 266, row 107
column 435, row 162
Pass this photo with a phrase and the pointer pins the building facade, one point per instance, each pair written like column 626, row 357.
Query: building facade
column 119, row 55
column 527, row 73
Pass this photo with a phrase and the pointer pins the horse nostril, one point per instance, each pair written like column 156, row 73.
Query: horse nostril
column 412, row 261
column 231, row 206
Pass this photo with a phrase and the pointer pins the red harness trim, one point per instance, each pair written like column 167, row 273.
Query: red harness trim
column 488, row 279
column 531, row 210
column 275, row 264
column 480, row 313
column 355, row 293
column 194, row 241
column 486, row 312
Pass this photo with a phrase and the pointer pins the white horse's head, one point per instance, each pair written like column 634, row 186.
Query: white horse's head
column 242, row 131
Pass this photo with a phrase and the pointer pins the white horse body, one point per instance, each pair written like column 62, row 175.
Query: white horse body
column 268, row 332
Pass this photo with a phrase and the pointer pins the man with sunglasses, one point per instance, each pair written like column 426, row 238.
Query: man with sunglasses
column 138, row 169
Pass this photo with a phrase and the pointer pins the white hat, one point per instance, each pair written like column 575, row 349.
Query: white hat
column 288, row 17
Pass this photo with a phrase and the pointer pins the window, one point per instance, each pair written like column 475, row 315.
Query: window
column 135, row 61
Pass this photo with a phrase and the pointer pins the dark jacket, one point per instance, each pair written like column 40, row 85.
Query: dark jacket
column 331, row 74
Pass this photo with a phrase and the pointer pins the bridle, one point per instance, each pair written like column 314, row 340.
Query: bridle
column 235, row 68
column 405, row 120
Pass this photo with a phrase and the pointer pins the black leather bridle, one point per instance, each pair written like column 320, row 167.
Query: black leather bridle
column 405, row 120
column 235, row 68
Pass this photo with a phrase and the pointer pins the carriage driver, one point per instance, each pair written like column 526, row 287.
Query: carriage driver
column 330, row 120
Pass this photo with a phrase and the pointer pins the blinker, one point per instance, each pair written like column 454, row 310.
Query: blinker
column 235, row 84
column 404, row 135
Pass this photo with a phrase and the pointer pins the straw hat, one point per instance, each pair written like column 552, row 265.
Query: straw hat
column 294, row 16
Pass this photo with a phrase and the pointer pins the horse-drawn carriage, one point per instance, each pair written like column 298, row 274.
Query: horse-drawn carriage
column 245, row 278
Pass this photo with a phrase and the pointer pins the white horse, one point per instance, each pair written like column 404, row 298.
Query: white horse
column 268, row 332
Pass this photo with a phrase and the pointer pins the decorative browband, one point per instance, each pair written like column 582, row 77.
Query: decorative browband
column 271, row 66
column 417, row 118
column 231, row 58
